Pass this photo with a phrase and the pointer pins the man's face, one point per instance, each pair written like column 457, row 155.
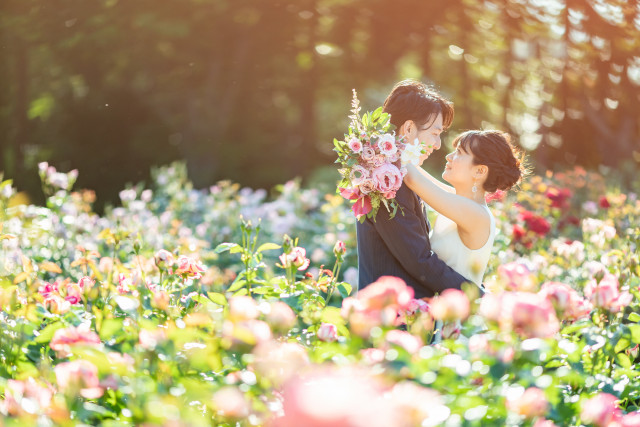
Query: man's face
column 429, row 136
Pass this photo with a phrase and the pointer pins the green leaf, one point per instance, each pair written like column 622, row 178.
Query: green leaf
column 47, row 333
column 622, row 345
column 634, row 317
column 623, row 360
column 635, row 333
column 345, row 289
column 332, row 315
column 232, row 247
column 218, row 298
column 241, row 292
column 237, row 285
column 109, row 328
column 268, row 247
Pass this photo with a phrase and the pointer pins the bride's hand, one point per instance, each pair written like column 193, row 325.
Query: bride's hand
column 412, row 174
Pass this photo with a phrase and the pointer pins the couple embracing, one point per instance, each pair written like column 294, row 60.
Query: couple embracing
column 456, row 249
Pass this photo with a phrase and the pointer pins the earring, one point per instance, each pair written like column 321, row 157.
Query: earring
column 474, row 189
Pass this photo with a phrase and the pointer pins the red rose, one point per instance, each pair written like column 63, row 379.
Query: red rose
column 604, row 203
column 535, row 223
column 518, row 232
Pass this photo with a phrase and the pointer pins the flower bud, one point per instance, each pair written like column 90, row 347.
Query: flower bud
column 328, row 332
column 339, row 250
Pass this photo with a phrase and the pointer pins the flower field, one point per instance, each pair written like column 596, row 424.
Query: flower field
column 229, row 306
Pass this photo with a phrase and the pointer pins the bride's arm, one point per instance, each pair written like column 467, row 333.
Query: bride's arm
column 436, row 181
column 466, row 213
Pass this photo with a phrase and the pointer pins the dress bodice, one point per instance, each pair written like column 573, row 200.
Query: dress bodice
column 446, row 243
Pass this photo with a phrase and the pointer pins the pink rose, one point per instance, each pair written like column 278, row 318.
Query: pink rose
column 409, row 342
column 74, row 294
column 335, row 397
column 527, row 314
column 280, row 316
column 417, row 305
column 368, row 153
column 125, row 284
column 516, row 277
column 367, row 186
column 605, row 294
column 355, row 145
column 56, row 304
column 79, row 376
column 630, row 420
column 362, row 206
column 377, row 304
column 64, row 339
column 387, row 178
column 327, row 332
column 340, row 249
column 379, row 160
column 451, row 304
column 600, row 410
column 27, row 393
column 451, row 330
column 541, row 422
column 49, row 288
column 566, row 301
column 387, row 144
column 533, row 403
column 230, row 402
column 164, row 259
column 85, row 283
column 358, row 174
column 189, row 268
column 296, row 258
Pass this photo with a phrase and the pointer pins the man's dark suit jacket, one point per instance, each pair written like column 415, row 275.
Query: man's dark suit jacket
column 400, row 247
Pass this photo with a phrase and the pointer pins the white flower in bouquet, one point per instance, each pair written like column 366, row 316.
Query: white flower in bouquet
column 412, row 153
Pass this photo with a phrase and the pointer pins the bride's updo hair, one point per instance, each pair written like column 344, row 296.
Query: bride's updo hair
column 494, row 149
column 414, row 100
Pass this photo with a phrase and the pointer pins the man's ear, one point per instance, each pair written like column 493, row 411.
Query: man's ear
column 407, row 126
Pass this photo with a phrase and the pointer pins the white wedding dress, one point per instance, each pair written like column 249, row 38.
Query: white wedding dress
column 470, row 263
column 446, row 243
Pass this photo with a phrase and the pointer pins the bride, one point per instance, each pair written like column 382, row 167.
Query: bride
column 483, row 161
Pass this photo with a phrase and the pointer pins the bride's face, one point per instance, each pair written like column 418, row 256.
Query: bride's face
column 459, row 169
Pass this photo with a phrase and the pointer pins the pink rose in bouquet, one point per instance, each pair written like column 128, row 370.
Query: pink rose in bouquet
column 387, row 145
column 355, row 145
column 387, row 178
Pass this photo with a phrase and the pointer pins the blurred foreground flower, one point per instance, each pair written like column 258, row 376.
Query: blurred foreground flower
column 79, row 376
column 601, row 410
column 377, row 305
column 531, row 404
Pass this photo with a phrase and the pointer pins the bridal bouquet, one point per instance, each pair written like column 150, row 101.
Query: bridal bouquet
column 373, row 159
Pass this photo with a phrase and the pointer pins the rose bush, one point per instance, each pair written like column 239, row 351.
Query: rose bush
column 181, row 307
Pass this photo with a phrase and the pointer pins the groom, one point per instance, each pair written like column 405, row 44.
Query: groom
column 400, row 246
